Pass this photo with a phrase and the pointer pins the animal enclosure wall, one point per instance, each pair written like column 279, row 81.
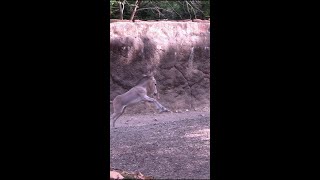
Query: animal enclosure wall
column 179, row 52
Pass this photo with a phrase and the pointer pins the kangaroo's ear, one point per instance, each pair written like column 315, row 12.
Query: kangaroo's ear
column 153, row 72
column 147, row 74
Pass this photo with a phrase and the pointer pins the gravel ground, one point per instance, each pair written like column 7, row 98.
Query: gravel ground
column 174, row 146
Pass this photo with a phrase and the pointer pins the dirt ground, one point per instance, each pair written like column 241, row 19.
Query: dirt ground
column 165, row 146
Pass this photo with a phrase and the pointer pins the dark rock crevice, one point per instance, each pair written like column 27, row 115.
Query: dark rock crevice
column 187, row 82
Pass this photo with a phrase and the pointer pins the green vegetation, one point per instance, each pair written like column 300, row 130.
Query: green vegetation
column 153, row 9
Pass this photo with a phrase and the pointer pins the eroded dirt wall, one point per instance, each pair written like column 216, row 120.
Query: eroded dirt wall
column 179, row 52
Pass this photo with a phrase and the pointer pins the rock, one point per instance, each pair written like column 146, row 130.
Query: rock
column 115, row 175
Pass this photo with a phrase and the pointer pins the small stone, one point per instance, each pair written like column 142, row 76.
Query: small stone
column 115, row 175
column 187, row 110
column 155, row 119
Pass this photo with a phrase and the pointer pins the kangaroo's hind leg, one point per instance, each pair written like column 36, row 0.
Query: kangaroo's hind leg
column 156, row 103
column 117, row 113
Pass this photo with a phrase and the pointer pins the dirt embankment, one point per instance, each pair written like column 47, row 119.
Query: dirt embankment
column 179, row 52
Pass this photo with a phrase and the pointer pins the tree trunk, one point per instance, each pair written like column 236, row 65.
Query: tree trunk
column 121, row 7
column 137, row 4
